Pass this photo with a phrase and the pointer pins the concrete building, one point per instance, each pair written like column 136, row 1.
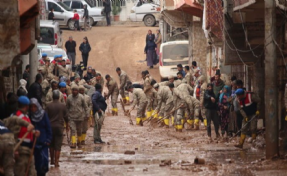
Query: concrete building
column 17, row 36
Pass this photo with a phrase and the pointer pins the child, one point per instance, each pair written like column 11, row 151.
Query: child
column 77, row 19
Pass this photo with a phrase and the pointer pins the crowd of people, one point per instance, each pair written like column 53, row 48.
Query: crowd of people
column 60, row 103
column 152, row 48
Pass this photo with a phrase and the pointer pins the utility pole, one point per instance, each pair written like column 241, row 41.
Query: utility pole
column 271, row 90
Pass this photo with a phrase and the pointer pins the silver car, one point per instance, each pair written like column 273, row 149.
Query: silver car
column 62, row 14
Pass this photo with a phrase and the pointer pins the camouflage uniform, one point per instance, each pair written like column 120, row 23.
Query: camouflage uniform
column 64, row 71
column 124, row 78
column 140, row 99
column 148, row 90
column 14, row 124
column 77, row 111
column 177, row 82
column 86, row 119
column 49, row 97
column 112, row 86
column 165, row 83
column 8, row 141
column 178, row 101
column 195, row 109
column 45, row 86
column 164, row 103
column 188, row 78
column 203, row 87
column 185, row 92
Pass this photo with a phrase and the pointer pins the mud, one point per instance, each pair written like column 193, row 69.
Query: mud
column 154, row 151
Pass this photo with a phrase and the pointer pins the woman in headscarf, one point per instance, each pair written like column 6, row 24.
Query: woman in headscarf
column 41, row 122
column 224, row 108
column 22, row 91
column 157, row 41
column 150, row 51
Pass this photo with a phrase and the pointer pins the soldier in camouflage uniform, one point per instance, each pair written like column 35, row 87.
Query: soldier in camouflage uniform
column 63, row 70
column 203, row 87
column 188, row 78
column 177, row 102
column 112, row 86
column 86, row 119
column 165, row 103
column 49, row 96
column 98, row 79
column 7, row 138
column 124, row 78
column 77, row 111
column 139, row 99
column 148, row 90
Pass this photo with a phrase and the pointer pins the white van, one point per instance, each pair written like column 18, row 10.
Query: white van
column 171, row 54
column 94, row 12
column 50, row 33
column 148, row 12
column 62, row 13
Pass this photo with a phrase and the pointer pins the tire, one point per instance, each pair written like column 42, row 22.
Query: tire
column 91, row 21
column 71, row 25
column 149, row 20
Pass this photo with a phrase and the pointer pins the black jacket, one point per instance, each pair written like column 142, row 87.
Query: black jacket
column 208, row 104
column 86, row 13
column 107, row 6
column 70, row 46
column 51, row 16
column 88, row 76
column 35, row 91
column 85, row 48
column 98, row 101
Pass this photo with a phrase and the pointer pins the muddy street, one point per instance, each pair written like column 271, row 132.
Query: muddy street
column 134, row 150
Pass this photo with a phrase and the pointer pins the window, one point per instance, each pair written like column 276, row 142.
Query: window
column 47, row 35
column 64, row 6
column 67, row 3
column 77, row 5
column 54, row 6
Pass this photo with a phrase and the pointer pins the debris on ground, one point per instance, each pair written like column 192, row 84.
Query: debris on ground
column 129, row 152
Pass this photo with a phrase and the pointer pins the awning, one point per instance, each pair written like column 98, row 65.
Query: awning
column 189, row 6
column 176, row 18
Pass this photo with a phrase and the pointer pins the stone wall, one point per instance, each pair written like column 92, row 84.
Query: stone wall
column 199, row 45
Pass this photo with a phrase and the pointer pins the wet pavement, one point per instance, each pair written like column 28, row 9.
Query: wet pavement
column 160, row 152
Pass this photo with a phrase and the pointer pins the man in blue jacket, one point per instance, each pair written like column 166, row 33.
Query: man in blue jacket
column 99, row 108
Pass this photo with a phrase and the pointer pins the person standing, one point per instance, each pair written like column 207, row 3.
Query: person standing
column 180, row 69
column 70, row 46
column 224, row 106
column 150, row 51
column 249, row 109
column 35, row 90
column 124, row 78
column 210, row 104
column 218, row 85
column 112, row 86
column 85, row 48
column 51, row 15
column 158, row 41
column 99, row 108
column 203, row 86
column 149, row 35
column 188, row 78
column 57, row 113
column 86, row 119
column 63, row 70
column 107, row 11
column 40, row 120
column 26, row 75
column 85, row 16
column 25, row 149
column 77, row 111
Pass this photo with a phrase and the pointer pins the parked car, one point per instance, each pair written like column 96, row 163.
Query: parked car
column 171, row 54
column 44, row 46
column 63, row 14
column 146, row 12
column 51, row 52
column 50, row 33
column 94, row 12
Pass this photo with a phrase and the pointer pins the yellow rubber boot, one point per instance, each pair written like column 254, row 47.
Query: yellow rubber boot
column 116, row 111
column 205, row 122
column 190, row 124
column 128, row 99
column 73, row 142
column 166, row 122
column 139, row 121
column 172, row 120
column 196, row 124
column 179, row 128
column 148, row 113
column 241, row 141
column 155, row 116
column 83, row 139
